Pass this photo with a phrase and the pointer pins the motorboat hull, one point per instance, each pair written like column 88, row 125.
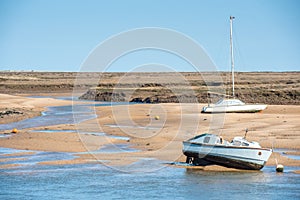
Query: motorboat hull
column 227, row 156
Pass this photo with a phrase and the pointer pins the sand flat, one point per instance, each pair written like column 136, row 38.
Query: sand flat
column 161, row 139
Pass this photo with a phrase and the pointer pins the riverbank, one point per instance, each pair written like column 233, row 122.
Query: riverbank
column 155, row 130
column 17, row 108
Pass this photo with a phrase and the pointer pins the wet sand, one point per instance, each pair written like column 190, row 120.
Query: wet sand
column 26, row 107
column 276, row 127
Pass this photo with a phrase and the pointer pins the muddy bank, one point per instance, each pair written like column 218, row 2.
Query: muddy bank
column 162, row 95
column 8, row 114
column 17, row 108
column 273, row 88
column 264, row 87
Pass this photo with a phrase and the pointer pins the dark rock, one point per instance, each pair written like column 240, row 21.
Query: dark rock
column 104, row 96
column 137, row 100
column 10, row 112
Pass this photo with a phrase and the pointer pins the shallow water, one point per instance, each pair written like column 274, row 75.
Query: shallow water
column 116, row 148
column 152, row 179
column 26, row 157
column 91, row 181
column 285, row 153
column 53, row 116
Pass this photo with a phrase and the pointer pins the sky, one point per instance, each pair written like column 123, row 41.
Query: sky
column 59, row 35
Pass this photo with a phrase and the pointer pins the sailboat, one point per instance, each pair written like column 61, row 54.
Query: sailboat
column 232, row 104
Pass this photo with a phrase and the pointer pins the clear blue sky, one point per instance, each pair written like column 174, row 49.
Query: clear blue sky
column 57, row 35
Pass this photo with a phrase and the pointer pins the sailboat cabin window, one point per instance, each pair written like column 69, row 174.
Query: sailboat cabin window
column 206, row 140
column 245, row 144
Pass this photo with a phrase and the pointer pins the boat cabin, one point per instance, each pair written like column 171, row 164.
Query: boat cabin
column 229, row 102
column 212, row 139
column 240, row 141
column 207, row 138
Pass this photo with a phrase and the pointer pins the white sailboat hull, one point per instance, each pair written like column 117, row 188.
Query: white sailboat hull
column 234, row 108
column 228, row 156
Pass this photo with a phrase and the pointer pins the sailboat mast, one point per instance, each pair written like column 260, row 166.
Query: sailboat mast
column 231, row 54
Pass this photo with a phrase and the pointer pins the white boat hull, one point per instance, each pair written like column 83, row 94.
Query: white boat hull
column 228, row 156
column 234, row 108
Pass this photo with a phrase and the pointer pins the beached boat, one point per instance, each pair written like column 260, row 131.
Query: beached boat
column 232, row 105
column 210, row 149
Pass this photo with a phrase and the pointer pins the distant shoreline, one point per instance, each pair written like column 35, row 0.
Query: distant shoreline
column 38, row 71
column 274, row 88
